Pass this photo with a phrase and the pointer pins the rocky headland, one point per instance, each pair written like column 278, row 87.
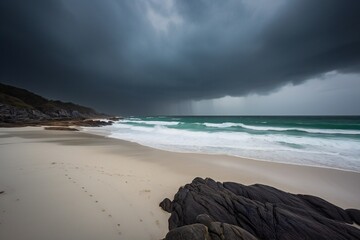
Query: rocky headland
column 205, row 209
column 19, row 107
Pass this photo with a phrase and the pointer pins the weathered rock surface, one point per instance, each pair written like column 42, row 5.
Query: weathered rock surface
column 354, row 214
column 206, row 209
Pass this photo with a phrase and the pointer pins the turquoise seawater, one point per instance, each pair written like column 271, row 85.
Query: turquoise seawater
column 317, row 141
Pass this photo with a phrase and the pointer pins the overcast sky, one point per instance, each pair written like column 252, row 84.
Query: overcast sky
column 186, row 56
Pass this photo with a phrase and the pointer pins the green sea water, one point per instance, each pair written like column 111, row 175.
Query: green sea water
column 326, row 141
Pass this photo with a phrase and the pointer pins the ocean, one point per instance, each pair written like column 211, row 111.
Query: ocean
column 332, row 142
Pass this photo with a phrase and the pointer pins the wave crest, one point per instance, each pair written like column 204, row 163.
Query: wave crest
column 264, row 128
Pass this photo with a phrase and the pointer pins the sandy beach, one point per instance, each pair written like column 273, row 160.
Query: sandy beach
column 76, row 185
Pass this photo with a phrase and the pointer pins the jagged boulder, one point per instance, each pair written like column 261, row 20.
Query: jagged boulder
column 236, row 211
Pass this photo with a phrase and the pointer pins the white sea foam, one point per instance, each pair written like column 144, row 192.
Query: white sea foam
column 223, row 125
column 336, row 153
column 164, row 123
column 265, row 128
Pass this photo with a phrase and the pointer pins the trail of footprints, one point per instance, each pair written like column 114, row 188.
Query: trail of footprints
column 95, row 201
column 146, row 191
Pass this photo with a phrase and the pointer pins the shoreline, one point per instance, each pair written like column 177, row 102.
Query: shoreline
column 52, row 180
column 203, row 158
column 99, row 133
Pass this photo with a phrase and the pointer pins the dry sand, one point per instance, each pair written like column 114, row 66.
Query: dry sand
column 74, row 185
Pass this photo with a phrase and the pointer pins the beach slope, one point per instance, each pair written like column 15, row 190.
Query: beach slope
column 74, row 185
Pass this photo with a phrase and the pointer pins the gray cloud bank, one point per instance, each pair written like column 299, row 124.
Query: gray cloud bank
column 136, row 57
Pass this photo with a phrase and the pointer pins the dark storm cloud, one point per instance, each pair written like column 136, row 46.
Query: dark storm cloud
column 138, row 56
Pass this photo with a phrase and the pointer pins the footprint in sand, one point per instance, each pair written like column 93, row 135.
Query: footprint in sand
column 145, row 191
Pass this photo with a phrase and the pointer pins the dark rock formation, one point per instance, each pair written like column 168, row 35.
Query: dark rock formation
column 19, row 106
column 62, row 129
column 206, row 209
column 354, row 215
column 166, row 205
